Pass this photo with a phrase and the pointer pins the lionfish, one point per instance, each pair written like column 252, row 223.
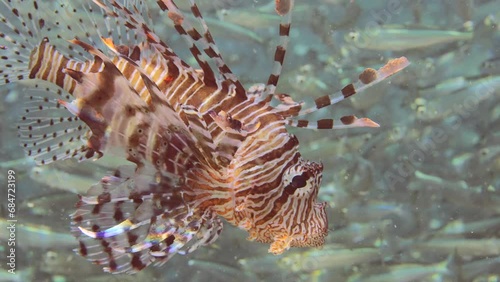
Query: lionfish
column 202, row 148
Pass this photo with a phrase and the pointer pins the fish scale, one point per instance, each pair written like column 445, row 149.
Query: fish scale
column 203, row 147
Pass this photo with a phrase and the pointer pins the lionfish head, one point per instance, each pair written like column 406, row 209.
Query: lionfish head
column 300, row 221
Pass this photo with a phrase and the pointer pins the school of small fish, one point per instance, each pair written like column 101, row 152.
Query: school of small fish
column 147, row 115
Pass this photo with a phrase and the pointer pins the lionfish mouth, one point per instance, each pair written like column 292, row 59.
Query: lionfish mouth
column 319, row 226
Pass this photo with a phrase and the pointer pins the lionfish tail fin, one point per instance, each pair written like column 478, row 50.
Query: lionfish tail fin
column 47, row 131
column 19, row 38
column 28, row 24
column 130, row 220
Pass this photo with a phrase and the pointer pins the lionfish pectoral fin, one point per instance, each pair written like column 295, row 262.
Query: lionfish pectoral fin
column 123, row 227
column 188, row 118
column 47, row 131
column 117, row 214
column 187, row 121
column 368, row 78
column 104, row 95
column 210, row 229
column 130, row 247
column 131, row 219
column 342, row 123
column 182, row 236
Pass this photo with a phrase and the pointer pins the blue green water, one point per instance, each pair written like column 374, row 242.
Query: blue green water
column 416, row 199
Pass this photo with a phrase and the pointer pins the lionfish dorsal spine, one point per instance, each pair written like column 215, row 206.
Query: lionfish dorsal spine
column 206, row 41
column 284, row 9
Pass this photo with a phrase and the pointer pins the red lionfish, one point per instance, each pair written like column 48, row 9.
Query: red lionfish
column 202, row 147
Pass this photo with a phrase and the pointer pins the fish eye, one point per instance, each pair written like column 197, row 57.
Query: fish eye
column 298, row 181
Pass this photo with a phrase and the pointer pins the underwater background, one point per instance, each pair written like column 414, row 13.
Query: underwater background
column 417, row 199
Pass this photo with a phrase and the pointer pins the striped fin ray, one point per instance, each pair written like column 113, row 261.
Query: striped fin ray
column 157, row 98
column 283, row 8
column 129, row 221
column 368, row 78
column 180, row 73
column 89, row 24
column 28, row 22
column 193, row 37
column 122, row 34
column 127, row 60
column 47, row 131
column 18, row 39
column 342, row 123
column 136, row 22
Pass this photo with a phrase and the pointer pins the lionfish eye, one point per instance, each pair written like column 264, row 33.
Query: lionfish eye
column 298, row 181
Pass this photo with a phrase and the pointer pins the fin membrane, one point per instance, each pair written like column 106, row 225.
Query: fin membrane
column 125, row 223
column 47, row 131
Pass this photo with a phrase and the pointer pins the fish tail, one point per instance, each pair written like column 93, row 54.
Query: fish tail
column 47, row 131
column 25, row 27
column 62, row 124
column 58, row 125
column 19, row 33
column 22, row 27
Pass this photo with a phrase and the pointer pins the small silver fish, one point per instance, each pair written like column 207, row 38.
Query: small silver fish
column 403, row 39
column 408, row 272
